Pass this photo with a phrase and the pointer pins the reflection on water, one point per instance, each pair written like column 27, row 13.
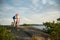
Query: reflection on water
column 39, row 27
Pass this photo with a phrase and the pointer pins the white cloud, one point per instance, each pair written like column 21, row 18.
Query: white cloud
column 52, row 3
column 44, row 1
column 16, row 2
column 6, row 7
column 24, row 9
column 36, row 16
column 6, row 21
column 35, row 2
column 48, row 16
column 53, row 12
column 25, row 20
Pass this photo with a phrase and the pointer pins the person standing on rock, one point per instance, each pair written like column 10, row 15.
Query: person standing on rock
column 16, row 20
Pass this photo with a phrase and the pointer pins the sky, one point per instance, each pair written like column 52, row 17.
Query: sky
column 30, row 11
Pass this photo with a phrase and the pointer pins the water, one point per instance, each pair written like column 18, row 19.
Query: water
column 39, row 27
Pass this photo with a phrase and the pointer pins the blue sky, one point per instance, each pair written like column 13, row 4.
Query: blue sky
column 30, row 11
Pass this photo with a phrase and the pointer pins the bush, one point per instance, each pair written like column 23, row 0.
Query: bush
column 5, row 34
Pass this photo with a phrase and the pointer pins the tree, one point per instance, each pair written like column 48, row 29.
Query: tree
column 53, row 29
column 5, row 34
column 58, row 19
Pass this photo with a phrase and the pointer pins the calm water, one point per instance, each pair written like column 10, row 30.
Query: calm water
column 39, row 27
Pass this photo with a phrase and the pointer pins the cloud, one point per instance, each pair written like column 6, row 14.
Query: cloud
column 23, row 9
column 52, row 3
column 6, row 21
column 6, row 7
column 20, row 3
column 35, row 18
column 35, row 13
column 36, row 8
column 25, row 20
column 44, row 1
column 35, row 2
column 53, row 12
column 10, row 10
column 16, row 2
column 48, row 16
